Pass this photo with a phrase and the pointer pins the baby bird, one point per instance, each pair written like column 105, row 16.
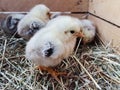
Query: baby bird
column 56, row 41
column 33, row 21
column 89, row 31
column 9, row 24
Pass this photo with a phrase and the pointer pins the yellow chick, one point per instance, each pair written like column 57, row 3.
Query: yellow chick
column 9, row 24
column 33, row 21
column 89, row 31
column 56, row 41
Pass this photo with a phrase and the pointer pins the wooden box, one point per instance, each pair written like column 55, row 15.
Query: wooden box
column 105, row 13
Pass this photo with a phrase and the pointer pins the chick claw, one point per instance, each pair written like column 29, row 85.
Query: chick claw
column 53, row 73
column 56, row 74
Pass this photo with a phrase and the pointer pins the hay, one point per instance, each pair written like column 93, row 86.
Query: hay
column 92, row 67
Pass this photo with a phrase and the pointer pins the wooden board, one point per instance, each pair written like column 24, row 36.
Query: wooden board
column 54, row 5
column 107, row 9
column 107, row 32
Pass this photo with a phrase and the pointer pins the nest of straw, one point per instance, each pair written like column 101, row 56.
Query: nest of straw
column 91, row 67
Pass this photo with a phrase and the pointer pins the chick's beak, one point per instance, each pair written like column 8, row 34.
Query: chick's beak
column 79, row 34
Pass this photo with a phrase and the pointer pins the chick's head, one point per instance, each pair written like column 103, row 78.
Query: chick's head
column 70, row 27
column 89, row 31
column 41, row 11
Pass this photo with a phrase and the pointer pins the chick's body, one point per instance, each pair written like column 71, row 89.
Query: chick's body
column 33, row 21
column 27, row 30
column 55, row 39
column 9, row 24
column 36, row 47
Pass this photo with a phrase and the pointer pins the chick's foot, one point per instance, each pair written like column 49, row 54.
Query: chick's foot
column 53, row 73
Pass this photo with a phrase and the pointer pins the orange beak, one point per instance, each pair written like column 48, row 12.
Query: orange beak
column 79, row 34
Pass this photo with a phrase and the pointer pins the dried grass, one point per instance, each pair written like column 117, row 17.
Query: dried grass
column 92, row 67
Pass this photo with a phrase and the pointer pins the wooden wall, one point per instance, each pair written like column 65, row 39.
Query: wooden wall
column 106, row 15
column 54, row 5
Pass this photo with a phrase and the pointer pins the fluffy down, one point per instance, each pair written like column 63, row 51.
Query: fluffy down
column 9, row 24
column 89, row 31
column 50, row 45
column 33, row 21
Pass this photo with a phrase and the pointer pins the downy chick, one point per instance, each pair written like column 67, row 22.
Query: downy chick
column 33, row 21
column 56, row 41
column 89, row 31
column 9, row 24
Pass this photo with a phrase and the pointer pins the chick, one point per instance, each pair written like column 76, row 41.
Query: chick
column 9, row 24
column 89, row 31
column 33, row 21
column 56, row 41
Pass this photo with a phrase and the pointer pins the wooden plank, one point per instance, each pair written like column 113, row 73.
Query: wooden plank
column 54, row 5
column 107, row 9
column 107, row 32
column 80, row 16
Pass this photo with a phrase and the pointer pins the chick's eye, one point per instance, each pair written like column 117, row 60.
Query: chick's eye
column 48, row 13
column 72, row 31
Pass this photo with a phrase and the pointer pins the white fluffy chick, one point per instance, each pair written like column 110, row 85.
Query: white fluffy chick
column 89, row 31
column 50, row 45
column 9, row 24
column 33, row 21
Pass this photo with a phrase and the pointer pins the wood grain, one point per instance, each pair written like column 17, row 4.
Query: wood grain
column 54, row 5
column 107, row 9
column 107, row 32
